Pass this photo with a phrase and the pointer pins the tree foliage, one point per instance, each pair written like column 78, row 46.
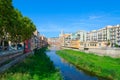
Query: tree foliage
column 29, row 27
column 13, row 24
column 5, row 16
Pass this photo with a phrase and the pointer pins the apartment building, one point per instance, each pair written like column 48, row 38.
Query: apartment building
column 43, row 41
column 113, row 35
column 73, row 40
column 118, row 34
column 64, row 39
column 101, row 37
column 67, row 40
column 99, row 34
column 37, row 40
column 81, row 35
column 91, row 36
column 108, row 36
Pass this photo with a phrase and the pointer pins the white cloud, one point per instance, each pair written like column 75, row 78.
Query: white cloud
column 50, row 28
column 95, row 17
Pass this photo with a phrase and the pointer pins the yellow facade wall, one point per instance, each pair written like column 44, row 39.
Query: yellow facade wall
column 75, row 44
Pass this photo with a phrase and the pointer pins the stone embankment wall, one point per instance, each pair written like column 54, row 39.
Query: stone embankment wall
column 13, row 62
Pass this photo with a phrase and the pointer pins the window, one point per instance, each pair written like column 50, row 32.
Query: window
column 95, row 44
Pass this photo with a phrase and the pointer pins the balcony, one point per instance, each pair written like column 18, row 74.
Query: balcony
column 105, row 35
column 112, row 39
column 118, row 33
column 118, row 36
column 112, row 34
column 99, row 38
column 104, row 38
column 99, row 34
column 114, row 31
column 118, row 41
column 118, row 30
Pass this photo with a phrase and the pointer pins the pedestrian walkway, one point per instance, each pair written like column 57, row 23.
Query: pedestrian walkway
column 107, row 52
column 115, row 53
column 9, row 52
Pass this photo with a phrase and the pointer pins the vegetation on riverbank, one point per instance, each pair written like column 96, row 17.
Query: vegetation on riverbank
column 34, row 67
column 106, row 67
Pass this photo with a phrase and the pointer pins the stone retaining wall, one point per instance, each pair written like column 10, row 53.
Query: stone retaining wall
column 18, row 59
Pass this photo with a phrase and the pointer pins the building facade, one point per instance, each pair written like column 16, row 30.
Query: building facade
column 108, row 36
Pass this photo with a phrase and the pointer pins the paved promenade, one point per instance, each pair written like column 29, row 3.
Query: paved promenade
column 112, row 52
column 9, row 52
column 105, row 52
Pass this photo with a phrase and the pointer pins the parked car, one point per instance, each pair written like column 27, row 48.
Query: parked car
column 12, row 48
column 19, row 47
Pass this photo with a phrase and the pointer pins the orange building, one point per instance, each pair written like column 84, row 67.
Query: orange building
column 75, row 44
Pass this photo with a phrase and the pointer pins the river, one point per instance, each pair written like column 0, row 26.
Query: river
column 68, row 71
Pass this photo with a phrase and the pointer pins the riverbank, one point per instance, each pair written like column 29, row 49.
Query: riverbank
column 102, row 66
column 34, row 67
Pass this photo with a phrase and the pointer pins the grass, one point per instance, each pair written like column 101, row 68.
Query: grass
column 34, row 67
column 101, row 66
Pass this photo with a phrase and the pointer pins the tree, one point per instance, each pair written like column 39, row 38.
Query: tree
column 28, row 29
column 22, row 29
column 15, row 31
column 116, row 45
column 5, row 18
column 13, row 25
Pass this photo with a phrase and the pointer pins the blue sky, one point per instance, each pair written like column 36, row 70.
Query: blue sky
column 52, row 16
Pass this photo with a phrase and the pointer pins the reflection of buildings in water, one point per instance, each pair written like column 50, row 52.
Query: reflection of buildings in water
column 63, row 60
column 54, row 47
column 66, row 62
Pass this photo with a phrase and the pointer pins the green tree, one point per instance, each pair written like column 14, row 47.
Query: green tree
column 6, row 9
column 28, row 29
column 13, row 25
column 5, row 18
column 22, row 29
column 116, row 45
column 15, row 32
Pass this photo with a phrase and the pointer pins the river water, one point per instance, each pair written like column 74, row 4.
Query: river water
column 68, row 71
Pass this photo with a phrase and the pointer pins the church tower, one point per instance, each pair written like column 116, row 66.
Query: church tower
column 61, row 33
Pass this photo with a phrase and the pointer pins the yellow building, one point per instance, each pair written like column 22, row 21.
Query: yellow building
column 75, row 44
column 64, row 39
column 93, row 44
